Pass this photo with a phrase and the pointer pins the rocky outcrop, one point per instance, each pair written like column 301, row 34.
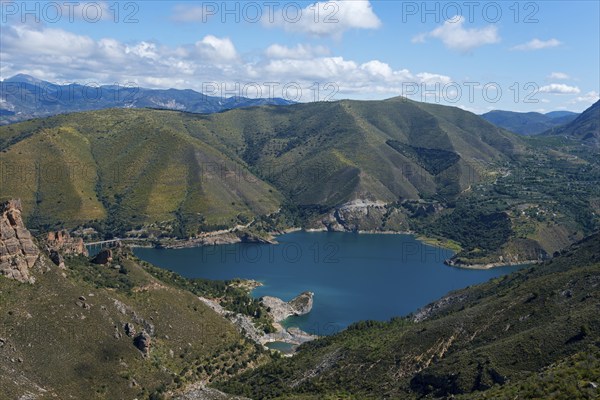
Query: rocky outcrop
column 365, row 216
column 18, row 252
column 143, row 342
column 129, row 329
column 63, row 243
column 280, row 310
column 104, row 257
column 245, row 325
column 57, row 259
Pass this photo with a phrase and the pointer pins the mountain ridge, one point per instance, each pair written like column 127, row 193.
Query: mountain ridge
column 586, row 127
column 528, row 123
column 26, row 97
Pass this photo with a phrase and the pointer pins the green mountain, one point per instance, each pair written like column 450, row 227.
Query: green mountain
column 333, row 153
column 530, row 123
column 494, row 337
column 136, row 167
column 585, row 127
column 392, row 165
column 127, row 168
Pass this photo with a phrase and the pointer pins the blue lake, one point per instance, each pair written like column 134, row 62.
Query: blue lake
column 354, row 276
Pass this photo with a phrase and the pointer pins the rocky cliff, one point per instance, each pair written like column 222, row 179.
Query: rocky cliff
column 18, row 252
column 280, row 310
column 62, row 242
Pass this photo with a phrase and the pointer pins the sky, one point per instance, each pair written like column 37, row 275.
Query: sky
column 521, row 56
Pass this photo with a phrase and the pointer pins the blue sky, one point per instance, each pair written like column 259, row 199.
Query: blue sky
column 522, row 56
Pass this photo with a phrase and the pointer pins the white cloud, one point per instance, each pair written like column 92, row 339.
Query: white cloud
column 60, row 56
column 559, row 88
column 330, row 18
column 298, row 52
column 377, row 68
column 559, row 75
column 430, row 79
column 589, row 97
column 50, row 41
column 143, row 50
column 454, row 36
column 537, row 44
column 216, row 49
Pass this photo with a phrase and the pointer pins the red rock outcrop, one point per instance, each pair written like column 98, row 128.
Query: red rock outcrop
column 63, row 243
column 18, row 252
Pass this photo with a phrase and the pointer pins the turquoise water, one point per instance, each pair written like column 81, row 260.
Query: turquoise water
column 354, row 276
column 283, row 347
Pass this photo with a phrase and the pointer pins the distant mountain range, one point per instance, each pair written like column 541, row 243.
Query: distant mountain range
column 24, row 97
column 586, row 127
column 531, row 123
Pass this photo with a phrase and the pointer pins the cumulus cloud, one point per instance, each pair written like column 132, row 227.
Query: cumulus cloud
column 456, row 37
column 298, row 52
column 330, row 18
column 589, row 97
column 559, row 88
column 559, row 75
column 60, row 56
column 216, row 49
column 26, row 39
column 537, row 44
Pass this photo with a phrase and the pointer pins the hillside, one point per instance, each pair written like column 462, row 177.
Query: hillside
column 332, row 153
column 115, row 327
column 530, row 123
column 496, row 336
column 586, row 127
column 146, row 166
column 25, row 97
column 72, row 328
column 125, row 169
column 393, row 165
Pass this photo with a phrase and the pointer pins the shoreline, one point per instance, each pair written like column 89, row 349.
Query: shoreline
column 224, row 238
column 492, row 265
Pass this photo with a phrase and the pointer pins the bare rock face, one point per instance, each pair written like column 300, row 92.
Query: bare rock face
column 302, row 304
column 57, row 259
column 280, row 310
column 143, row 342
column 129, row 329
column 62, row 242
column 104, row 257
column 18, row 252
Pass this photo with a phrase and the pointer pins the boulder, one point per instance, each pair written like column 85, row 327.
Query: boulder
column 129, row 329
column 143, row 342
column 57, row 259
column 104, row 257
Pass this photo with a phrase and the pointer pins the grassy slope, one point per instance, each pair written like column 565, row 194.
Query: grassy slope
column 132, row 166
column 586, row 127
column 330, row 153
column 187, row 172
column 71, row 352
column 501, row 331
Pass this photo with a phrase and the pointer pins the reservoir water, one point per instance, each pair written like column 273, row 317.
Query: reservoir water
column 354, row 276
